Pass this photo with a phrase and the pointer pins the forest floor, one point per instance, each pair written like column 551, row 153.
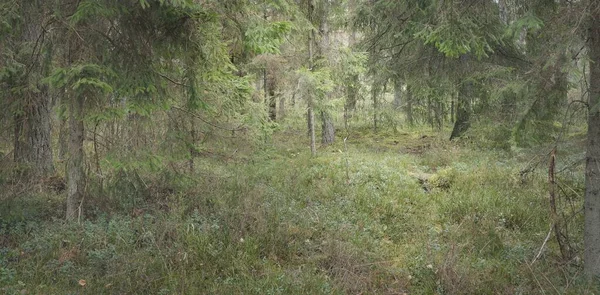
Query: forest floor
column 388, row 213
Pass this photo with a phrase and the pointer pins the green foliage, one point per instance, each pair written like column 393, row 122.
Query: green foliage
column 527, row 23
column 456, row 38
column 315, row 83
column 444, row 219
column 83, row 79
column 262, row 39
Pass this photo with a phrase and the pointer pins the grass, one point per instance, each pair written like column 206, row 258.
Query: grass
column 387, row 213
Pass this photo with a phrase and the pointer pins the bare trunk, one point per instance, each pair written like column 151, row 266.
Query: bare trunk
column 39, row 151
column 351, row 97
column 463, row 107
column 311, row 131
column 311, row 115
column 281, row 107
column 409, row 109
column 193, row 151
column 463, row 111
column 328, row 135
column 353, row 83
column 63, row 138
column 18, row 145
column 328, row 130
column 34, row 124
column 271, row 99
column 374, row 95
column 592, row 169
column 75, row 174
column 397, row 103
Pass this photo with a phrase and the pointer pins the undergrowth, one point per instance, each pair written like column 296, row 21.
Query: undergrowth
column 386, row 213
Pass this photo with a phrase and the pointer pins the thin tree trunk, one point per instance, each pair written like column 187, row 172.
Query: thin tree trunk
column 429, row 112
column 592, row 169
column 311, row 131
column 193, row 152
column 353, row 83
column 63, row 138
column 397, row 103
column 328, row 130
column 75, row 174
column 311, row 115
column 452, row 108
column 409, row 107
column 270, row 86
column 281, row 107
column 351, row 96
column 374, row 96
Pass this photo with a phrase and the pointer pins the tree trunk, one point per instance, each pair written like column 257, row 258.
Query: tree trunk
column 272, row 100
column 310, row 111
column 397, row 103
column 281, row 107
column 351, row 97
column 429, row 112
column 409, row 109
column 311, row 131
column 75, row 174
column 328, row 131
column 18, row 145
column 39, row 151
column 353, row 82
column 463, row 104
column 463, row 111
column 374, row 95
column 592, row 169
column 35, row 151
column 63, row 138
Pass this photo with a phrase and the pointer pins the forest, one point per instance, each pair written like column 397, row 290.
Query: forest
column 300, row 146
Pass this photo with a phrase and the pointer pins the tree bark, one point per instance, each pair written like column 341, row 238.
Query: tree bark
column 63, row 138
column 272, row 99
column 310, row 111
column 75, row 174
column 18, row 146
column 409, row 109
column 328, row 131
column 353, row 82
column 281, row 112
column 397, row 103
column 39, row 151
column 463, row 104
column 463, row 110
column 34, row 125
column 592, row 169
column 375, row 97
column 351, row 97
